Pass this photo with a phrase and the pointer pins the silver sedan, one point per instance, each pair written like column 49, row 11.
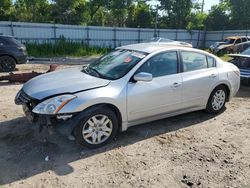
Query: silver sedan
column 132, row 85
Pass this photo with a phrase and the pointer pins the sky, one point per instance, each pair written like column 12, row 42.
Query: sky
column 209, row 3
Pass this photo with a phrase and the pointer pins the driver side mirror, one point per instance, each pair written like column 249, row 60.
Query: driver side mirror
column 143, row 76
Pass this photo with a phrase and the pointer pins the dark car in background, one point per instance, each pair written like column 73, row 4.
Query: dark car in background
column 231, row 44
column 12, row 52
column 242, row 61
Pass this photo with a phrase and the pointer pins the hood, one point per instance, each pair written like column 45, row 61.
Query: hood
column 59, row 82
column 217, row 44
column 224, row 46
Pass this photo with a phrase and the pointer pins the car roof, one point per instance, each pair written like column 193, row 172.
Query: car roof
column 153, row 47
column 6, row 36
column 236, row 37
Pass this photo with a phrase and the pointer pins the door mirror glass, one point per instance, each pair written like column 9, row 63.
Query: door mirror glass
column 143, row 76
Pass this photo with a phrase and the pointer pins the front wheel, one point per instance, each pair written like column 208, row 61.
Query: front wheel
column 217, row 100
column 96, row 128
column 7, row 64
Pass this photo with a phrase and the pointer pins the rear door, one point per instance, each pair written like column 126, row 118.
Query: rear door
column 199, row 77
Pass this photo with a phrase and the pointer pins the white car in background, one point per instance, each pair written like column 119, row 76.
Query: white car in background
column 161, row 40
column 132, row 85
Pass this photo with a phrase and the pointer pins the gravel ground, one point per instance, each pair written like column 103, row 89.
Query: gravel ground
column 191, row 150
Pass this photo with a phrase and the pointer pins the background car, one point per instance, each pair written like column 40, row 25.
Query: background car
column 242, row 61
column 231, row 44
column 12, row 52
column 132, row 85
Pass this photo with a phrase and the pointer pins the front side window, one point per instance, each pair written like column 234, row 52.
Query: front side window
column 162, row 64
column 115, row 64
column 193, row 61
column 229, row 41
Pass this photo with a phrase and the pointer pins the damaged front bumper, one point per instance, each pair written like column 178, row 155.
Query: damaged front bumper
column 64, row 123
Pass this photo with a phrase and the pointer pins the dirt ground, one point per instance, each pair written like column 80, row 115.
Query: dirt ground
column 191, row 150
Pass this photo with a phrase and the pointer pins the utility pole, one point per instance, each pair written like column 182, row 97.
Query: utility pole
column 199, row 33
column 202, row 6
column 156, row 21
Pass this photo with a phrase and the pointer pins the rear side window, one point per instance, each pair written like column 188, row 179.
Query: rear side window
column 244, row 39
column 193, row 61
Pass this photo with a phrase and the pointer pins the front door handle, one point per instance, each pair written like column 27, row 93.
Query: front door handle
column 212, row 76
column 176, row 84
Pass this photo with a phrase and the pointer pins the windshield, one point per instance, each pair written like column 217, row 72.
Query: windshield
column 246, row 52
column 229, row 41
column 115, row 64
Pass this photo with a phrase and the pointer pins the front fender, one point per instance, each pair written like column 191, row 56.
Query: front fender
column 105, row 95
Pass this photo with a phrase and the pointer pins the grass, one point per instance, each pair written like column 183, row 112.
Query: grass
column 224, row 57
column 63, row 48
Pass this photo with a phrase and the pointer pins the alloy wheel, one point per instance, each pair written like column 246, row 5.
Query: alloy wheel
column 219, row 99
column 97, row 129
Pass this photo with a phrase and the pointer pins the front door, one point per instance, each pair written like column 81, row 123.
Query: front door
column 159, row 96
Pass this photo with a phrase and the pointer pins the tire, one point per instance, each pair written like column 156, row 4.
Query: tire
column 217, row 100
column 91, row 132
column 7, row 63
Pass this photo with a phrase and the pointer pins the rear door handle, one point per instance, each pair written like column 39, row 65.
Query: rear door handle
column 212, row 76
column 176, row 84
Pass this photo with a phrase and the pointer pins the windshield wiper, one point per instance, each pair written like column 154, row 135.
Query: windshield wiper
column 89, row 69
column 94, row 70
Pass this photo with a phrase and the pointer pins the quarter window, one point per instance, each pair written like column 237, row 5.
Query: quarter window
column 161, row 64
column 210, row 62
column 193, row 61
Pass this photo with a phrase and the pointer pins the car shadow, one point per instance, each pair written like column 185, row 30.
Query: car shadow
column 24, row 150
column 244, row 92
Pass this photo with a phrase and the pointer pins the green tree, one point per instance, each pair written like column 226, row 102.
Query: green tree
column 175, row 12
column 240, row 12
column 143, row 16
column 96, row 11
column 32, row 10
column 196, row 20
column 69, row 11
column 6, row 10
column 118, row 12
column 218, row 17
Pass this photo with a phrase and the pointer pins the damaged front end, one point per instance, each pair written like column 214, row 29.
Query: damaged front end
column 45, row 113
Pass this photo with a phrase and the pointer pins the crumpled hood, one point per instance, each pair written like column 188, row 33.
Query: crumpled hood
column 59, row 82
column 221, row 46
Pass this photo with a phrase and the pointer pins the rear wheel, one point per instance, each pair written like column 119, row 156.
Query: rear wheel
column 96, row 128
column 217, row 100
column 7, row 64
